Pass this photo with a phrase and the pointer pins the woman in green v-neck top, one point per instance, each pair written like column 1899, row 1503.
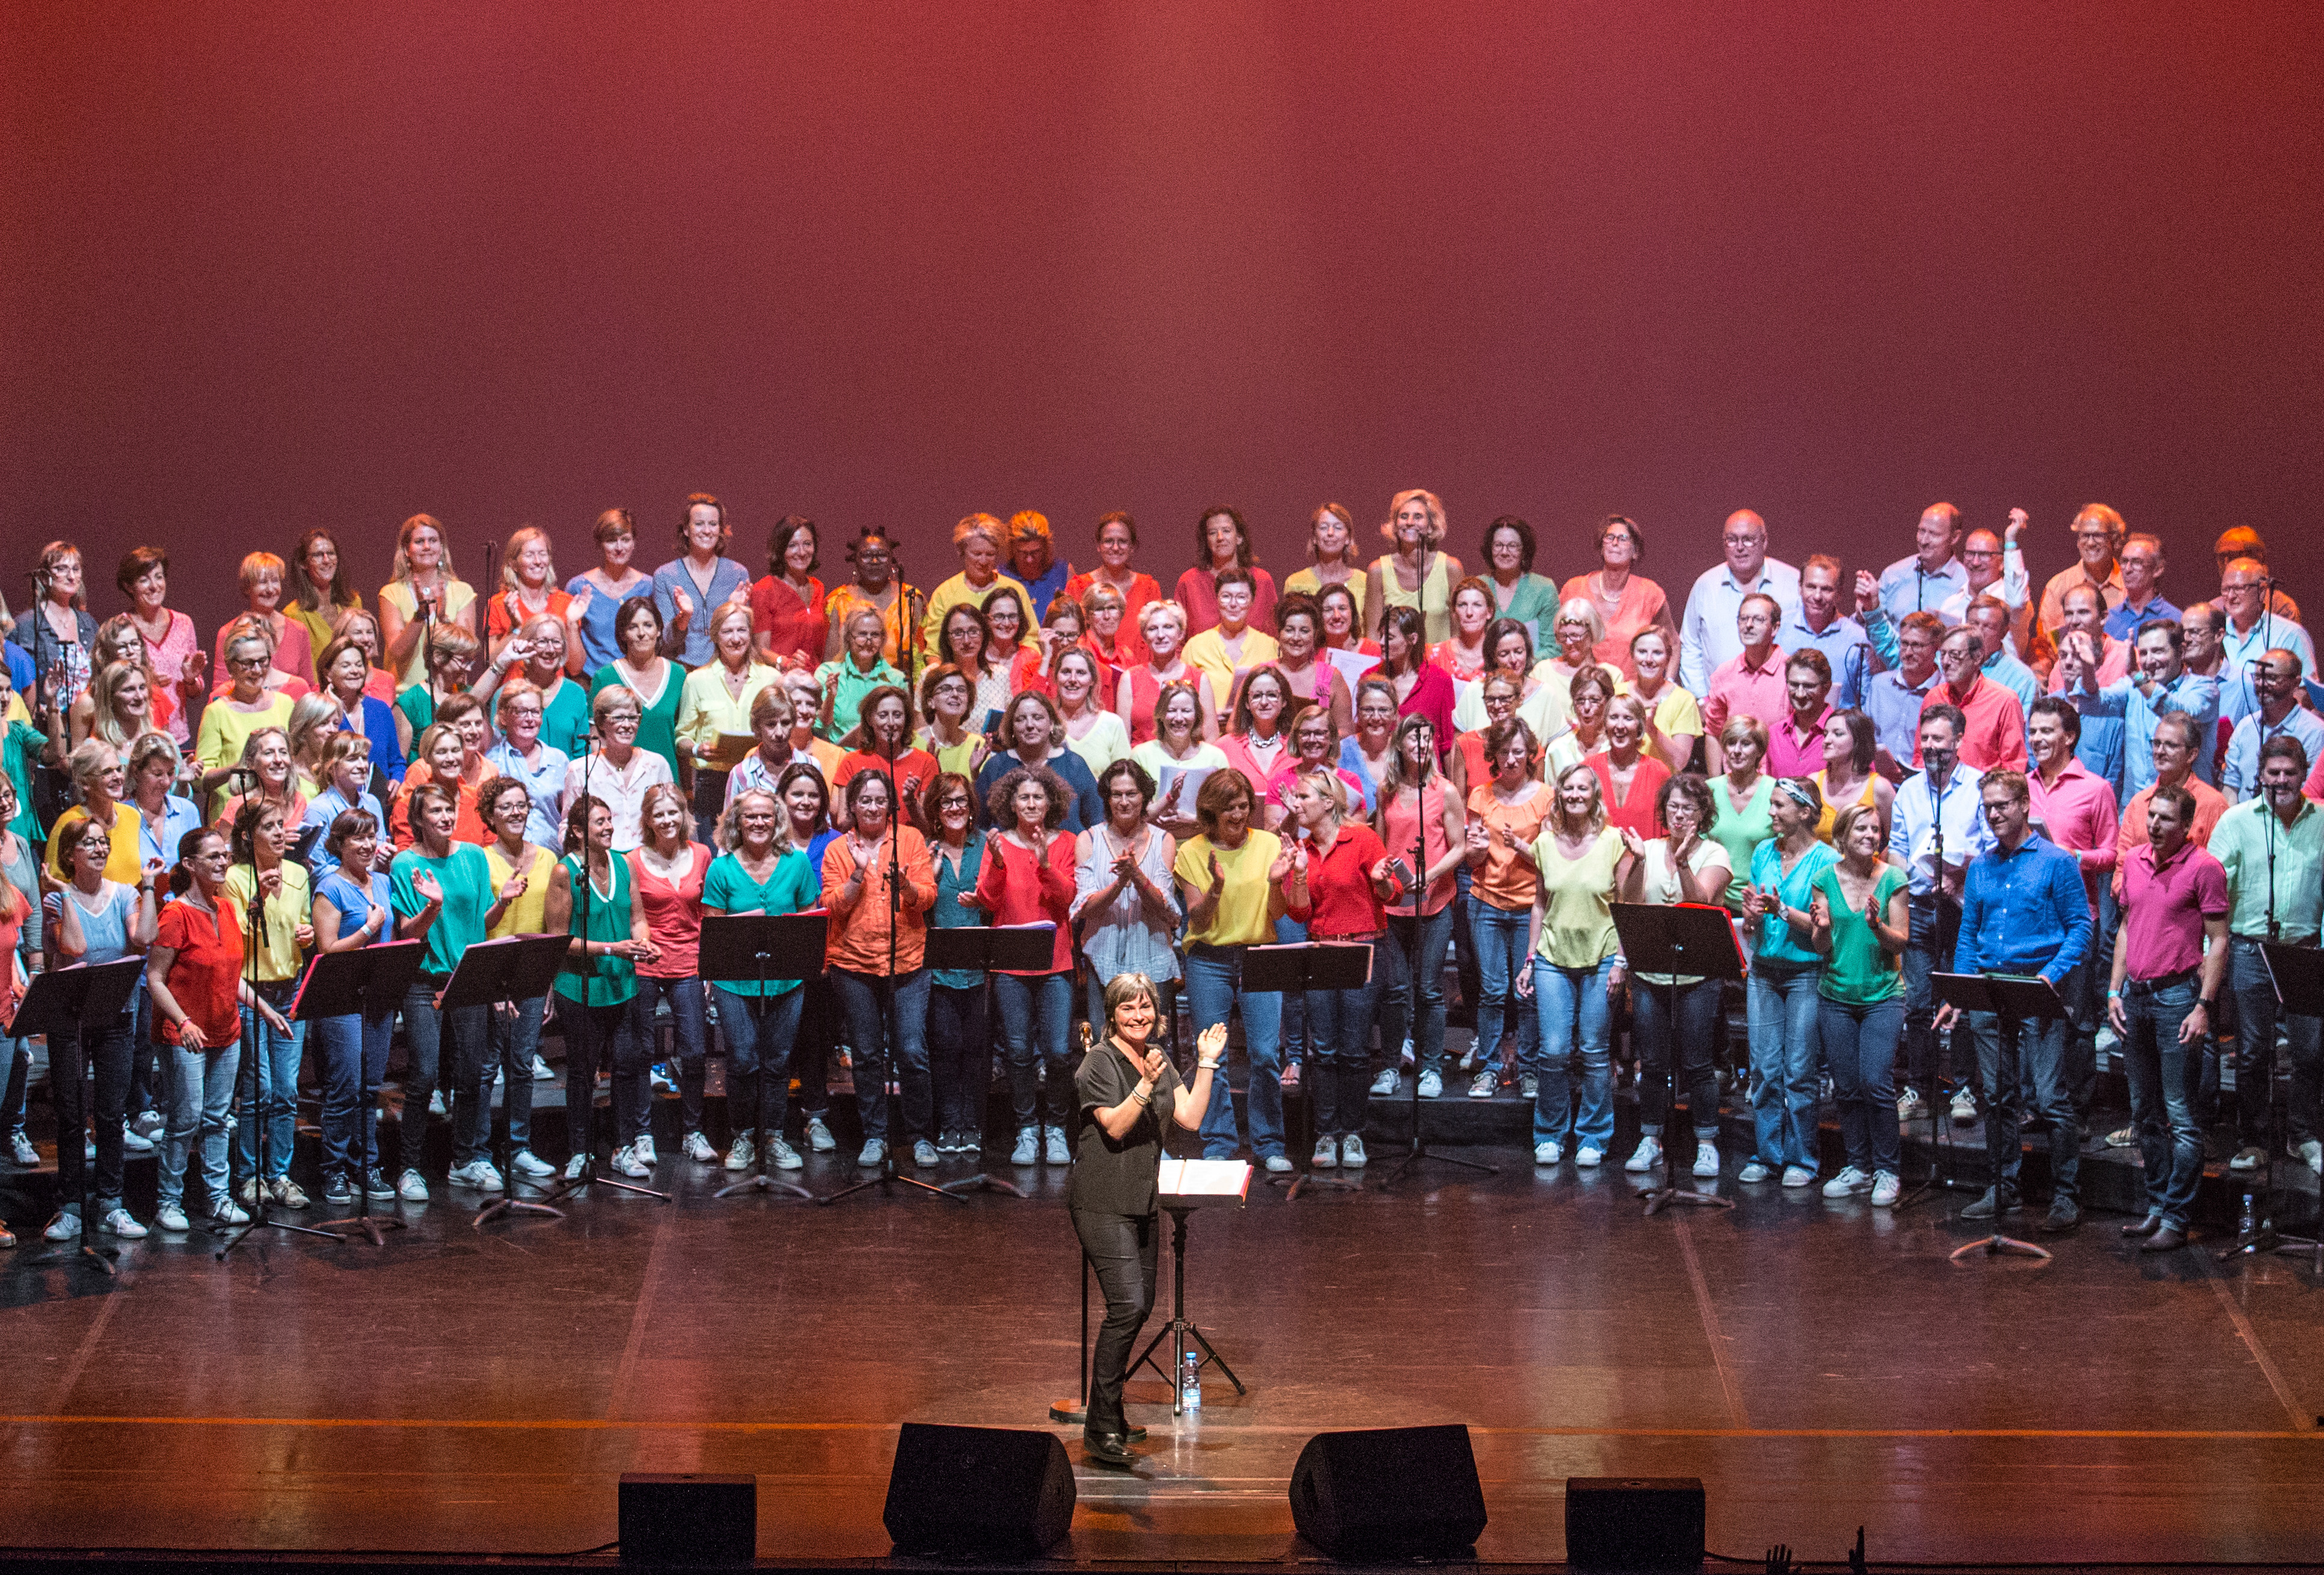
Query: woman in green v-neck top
column 1742, row 793
column 1861, row 925
column 589, row 899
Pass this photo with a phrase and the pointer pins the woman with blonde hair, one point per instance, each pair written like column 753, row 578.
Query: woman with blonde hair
column 714, row 707
column 1177, row 757
column 421, row 579
column 1786, row 969
column 1332, row 559
column 117, row 708
column 1577, row 969
column 1416, row 575
column 314, row 719
column 529, row 594
column 1744, row 792
column 978, row 539
column 120, row 643
column 590, row 898
column 857, row 671
column 260, row 579
column 1674, row 723
column 1575, row 632
column 1162, row 629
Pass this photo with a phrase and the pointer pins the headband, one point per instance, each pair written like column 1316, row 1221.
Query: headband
column 1798, row 791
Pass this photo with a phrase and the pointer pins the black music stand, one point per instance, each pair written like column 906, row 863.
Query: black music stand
column 988, row 948
column 2012, row 995
column 513, row 969
column 1670, row 939
column 1187, row 1184
column 345, row 984
column 57, row 1004
column 1300, row 967
column 2297, row 974
column 761, row 948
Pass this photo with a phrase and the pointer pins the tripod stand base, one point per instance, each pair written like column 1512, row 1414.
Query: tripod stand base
column 82, row 1254
column 1311, row 1178
column 512, row 1205
column 980, row 1183
column 263, row 1220
column 362, row 1225
column 887, row 1178
column 1997, row 1245
column 2268, row 1239
column 571, row 1184
column 761, row 1181
column 1664, row 1197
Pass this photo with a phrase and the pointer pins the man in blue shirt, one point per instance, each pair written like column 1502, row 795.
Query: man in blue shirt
column 1848, row 645
column 1893, row 699
column 2023, row 911
column 1989, row 616
column 2275, row 679
column 1924, row 582
column 2159, row 682
column 1935, row 814
column 2141, row 561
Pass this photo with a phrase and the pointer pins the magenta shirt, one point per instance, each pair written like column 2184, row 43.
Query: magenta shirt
column 2079, row 814
column 1794, row 754
column 1432, row 697
column 2164, row 910
column 1198, row 595
column 1739, row 689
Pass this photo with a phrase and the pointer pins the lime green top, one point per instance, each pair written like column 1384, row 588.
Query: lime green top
column 1860, row 971
column 1577, row 895
column 1741, row 831
column 603, row 980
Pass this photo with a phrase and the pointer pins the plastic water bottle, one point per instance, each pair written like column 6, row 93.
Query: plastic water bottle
column 1190, row 1384
column 2247, row 1217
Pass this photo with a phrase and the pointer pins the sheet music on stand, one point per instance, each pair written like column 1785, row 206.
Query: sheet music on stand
column 1190, row 1184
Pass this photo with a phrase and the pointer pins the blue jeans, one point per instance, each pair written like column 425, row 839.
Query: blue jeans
column 688, row 1034
column 1338, row 1073
column 423, row 1034
column 1037, row 1011
column 1685, row 1017
column 863, row 997
column 2003, row 1044
column 2161, row 1100
column 1214, row 988
column 1782, row 1017
column 1398, row 1018
column 510, row 1042
column 1575, row 1017
column 760, row 1031
column 1501, row 936
column 1296, row 1036
column 270, row 1082
column 1859, row 1042
column 201, row 1104
column 1929, row 951
column 352, row 1052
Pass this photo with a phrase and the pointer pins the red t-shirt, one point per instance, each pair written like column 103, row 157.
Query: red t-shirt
column 205, row 977
column 1637, row 812
column 673, row 912
column 1341, row 900
column 1018, row 888
column 792, row 628
column 917, row 767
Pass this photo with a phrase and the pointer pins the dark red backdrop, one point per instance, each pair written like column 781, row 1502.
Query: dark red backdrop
column 271, row 265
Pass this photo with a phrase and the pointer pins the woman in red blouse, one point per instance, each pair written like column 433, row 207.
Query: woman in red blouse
column 1338, row 880
column 787, row 604
column 1422, row 687
column 1028, row 879
column 1222, row 542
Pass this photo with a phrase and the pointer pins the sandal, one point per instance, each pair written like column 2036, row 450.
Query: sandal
column 1290, row 1078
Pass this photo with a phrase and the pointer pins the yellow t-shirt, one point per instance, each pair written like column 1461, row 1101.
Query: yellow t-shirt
column 957, row 590
column 122, row 850
column 1308, row 582
column 227, row 728
column 529, row 914
column 706, row 708
column 1206, row 653
column 1241, row 917
column 285, row 911
column 1577, row 926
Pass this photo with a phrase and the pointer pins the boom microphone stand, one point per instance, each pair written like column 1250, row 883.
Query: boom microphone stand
column 1940, row 1178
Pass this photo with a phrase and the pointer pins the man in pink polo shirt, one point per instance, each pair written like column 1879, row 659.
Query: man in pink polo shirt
column 1995, row 739
column 2164, row 986
column 2075, row 809
column 1752, row 684
column 1796, row 740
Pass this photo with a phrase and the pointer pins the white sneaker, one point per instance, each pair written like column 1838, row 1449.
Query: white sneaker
column 626, row 1161
column 924, row 1153
column 742, row 1156
column 1849, row 1182
column 172, row 1217
column 645, row 1148
column 1911, row 1106
column 1352, row 1153
column 1964, row 1108
column 435, row 1104
column 1432, row 1085
column 1798, row 1175
column 526, row 1163
column 1754, row 1171
column 1547, row 1154
column 150, row 1124
column 133, row 1141
column 1589, row 1157
column 1648, row 1154
column 1326, row 1155
column 783, row 1157
column 1054, row 1150
column 21, row 1150
column 1278, row 1165
column 63, row 1228
column 874, row 1154
column 2312, row 1153
column 2108, row 1040
column 696, row 1147
column 122, row 1223
column 576, row 1165
column 478, row 1173
column 818, row 1136
column 1481, row 1086
column 411, row 1187
column 1029, row 1145
column 1706, row 1161
column 1886, row 1189
column 540, row 1072
column 229, row 1213
column 1383, row 1086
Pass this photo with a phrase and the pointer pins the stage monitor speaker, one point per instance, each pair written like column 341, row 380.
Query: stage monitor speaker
column 1391, row 1492
column 1634, row 1522
column 978, row 1491
column 688, row 1519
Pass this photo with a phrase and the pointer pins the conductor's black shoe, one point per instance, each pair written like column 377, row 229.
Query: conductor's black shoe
column 1108, row 1449
column 1991, row 1206
column 2065, row 1215
column 2146, row 1227
column 2165, row 1240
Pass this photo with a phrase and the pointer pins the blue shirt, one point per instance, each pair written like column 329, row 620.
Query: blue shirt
column 178, row 816
column 598, row 645
column 2015, row 676
column 1914, row 818
column 2132, row 717
column 379, row 726
column 1777, row 944
column 1906, row 587
column 1894, row 708
column 1040, row 592
column 674, row 576
column 2122, row 623
column 20, row 667
column 1844, row 644
column 328, row 806
column 2024, row 912
column 1083, row 806
column 353, row 904
column 2240, row 778
column 106, row 930
column 544, row 779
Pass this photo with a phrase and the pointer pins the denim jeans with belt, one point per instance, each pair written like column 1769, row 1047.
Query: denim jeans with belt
column 1576, row 1018
column 2010, row 1051
column 106, row 1049
column 2257, row 1012
column 269, row 1081
column 760, row 1032
column 1340, row 1065
column 1426, row 939
column 1859, row 1044
column 351, row 1053
column 201, row 1106
column 1684, row 1017
column 1214, row 988
column 2162, row 1094
column 510, row 1044
column 1501, row 936
column 688, row 1035
column 1036, row 1012
column 869, row 1002
column 1783, row 1060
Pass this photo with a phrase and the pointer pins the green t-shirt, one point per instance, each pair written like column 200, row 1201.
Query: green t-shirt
column 467, row 883
column 1741, row 831
column 793, row 887
column 604, row 980
column 657, row 723
column 1860, row 970
column 565, row 718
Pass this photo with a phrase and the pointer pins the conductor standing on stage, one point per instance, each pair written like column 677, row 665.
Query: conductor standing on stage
column 1116, row 1180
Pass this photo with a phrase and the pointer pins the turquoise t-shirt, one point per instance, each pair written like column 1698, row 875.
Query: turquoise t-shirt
column 604, row 980
column 467, row 883
column 1777, row 944
column 793, row 887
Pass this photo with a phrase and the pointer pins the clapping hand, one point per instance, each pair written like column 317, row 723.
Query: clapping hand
column 1820, row 910
column 1154, row 1064
column 1210, row 1044
column 430, row 891
column 513, row 889
column 1631, row 842
column 1218, row 877
column 1867, row 590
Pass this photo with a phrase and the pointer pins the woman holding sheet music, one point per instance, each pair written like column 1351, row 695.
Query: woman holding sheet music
column 1177, row 757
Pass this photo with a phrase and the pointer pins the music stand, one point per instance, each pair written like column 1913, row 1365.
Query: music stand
column 761, row 948
column 57, row 1003
column 2297, row 972
column 1670, row 939
column 2012, row 995
column 1187, row 1184
column 344, row 983
column 987, row 949
column 1300, row 967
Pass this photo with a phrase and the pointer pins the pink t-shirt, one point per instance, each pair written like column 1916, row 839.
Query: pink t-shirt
column 1198, row 595
column 1403, row 837
column 1642, row 604
column 1793, row 751
column 2163, row 909
column 167, row 657
column 1740, row 689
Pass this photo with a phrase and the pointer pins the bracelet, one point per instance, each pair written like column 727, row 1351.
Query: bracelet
column 1143, row 1099
column 1201, row 1065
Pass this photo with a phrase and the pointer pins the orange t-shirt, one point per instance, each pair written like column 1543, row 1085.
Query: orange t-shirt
column 1506, row 878
column 858, row 940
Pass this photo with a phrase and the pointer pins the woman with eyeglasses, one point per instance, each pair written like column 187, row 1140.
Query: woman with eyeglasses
column 959, row 1045
column 1233, row 647
column 1110, row 635
column 878, row 587
column 1176, row 758
column 617, row 770
column 452, row 653
column 1162, row 627
column 789, row 611
column 268, row 768
column 601, row 592
column 978, row 540
column 1578, row 970
column 962, row 645
column 849, row 678
column 1676, row 1014
column 1785, row 973
column 878, row 894
column 1367, row 751
column 520, row 873
column 667, row 873
column 1117, row 547
column 1124, row 904
column 763, row 868
column 1520, row 596
column 947, row 694
column 1623, row 600
column 228, row 721
column 1314, row 746
column 1255, row 743
column 1028, row 879
column 691, row 589
column 98, row 777
column 1006, row 623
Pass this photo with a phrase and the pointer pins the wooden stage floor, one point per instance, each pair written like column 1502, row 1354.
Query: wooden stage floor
column 1819, row 1365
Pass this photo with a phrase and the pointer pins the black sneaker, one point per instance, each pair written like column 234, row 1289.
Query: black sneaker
column 338, row 1191
column 377, row 1187
column 1991, row 1206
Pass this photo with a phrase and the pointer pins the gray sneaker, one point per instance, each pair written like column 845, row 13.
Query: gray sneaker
column 783, row 1157
column 524, row 1162
column 1029, row 1145
column 1326, row 1155
column 411, row 1187
column 1054, row 1151
column 1529, row 1086
column 818, row 1136
column 1481, row 1086
column 740, row 1156
column 924, row 1153
column 1352, row 1153
column 21, row 1150
column 1432, row 1085
column 874, row 1154
column 1385, row 1083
